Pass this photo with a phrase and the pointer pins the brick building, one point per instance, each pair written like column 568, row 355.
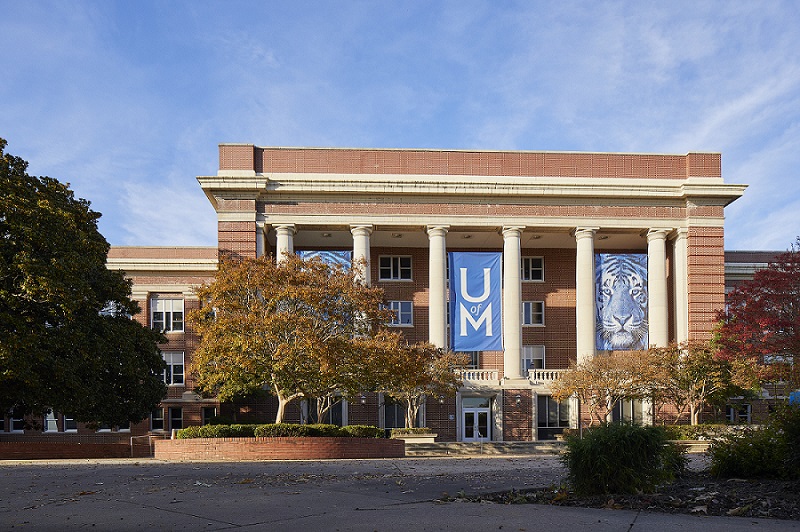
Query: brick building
column 552, row 217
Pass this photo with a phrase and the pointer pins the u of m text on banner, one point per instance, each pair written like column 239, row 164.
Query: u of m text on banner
column 475, row 301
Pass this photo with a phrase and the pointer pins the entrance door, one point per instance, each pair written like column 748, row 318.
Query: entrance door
column 475, row 417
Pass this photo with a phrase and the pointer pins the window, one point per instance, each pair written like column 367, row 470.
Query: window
column 175, row 418
column 532, row 357
column 173, row 373
column 70, row 425
column 124, row 427
column 629, row 411
column 533, row 313
column 167, row 315
column 533, row 269
column 552, row 417
column 403, row 313
column 738, row 413
column 50, row 422
column 474, row 359
column 157, row 419
column 17, row 420
column 394, row 268
column 207, row 414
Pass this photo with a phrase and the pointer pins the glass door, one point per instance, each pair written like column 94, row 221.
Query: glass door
column 475, row 417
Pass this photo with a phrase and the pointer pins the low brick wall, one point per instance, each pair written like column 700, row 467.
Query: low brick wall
column 277, row 448
column 22, row 450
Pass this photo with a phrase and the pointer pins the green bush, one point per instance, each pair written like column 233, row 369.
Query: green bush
column 364, row 431
column 218, row 431
column 770, row 451
column 621, row 458
column 411, row 430
column 706, row 431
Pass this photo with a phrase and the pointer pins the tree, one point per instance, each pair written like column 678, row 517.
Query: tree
column 762, row 320
column 693, row 375
column 57, row 349
column 419, row 371
column 300, row 328
column 602, row 382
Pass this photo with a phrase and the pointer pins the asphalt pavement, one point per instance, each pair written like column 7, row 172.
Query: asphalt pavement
column 358, row 495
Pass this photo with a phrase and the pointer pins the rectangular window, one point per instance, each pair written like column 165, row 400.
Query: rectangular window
column 533, row 269
column 175, row 418
column 207, row 414
column 533, row 313
column 167, row 315
column 474, row 359
column 403, row 313
column 104, row 427
column 51, row 422
column 17, row 420
column 173, row 373
column 391, row 268
column 70, row 425
column 124, row 427
column 738, row 413
column 157, row 419
column 532, row 357
column 551, row 413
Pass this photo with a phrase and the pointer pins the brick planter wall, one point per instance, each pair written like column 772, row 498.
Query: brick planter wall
column 277, row 448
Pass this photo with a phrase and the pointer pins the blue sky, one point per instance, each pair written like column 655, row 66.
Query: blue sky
column 128, row 100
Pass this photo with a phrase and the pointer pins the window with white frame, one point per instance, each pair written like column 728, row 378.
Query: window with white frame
column 70, row 425
column 532, row 357
column 738, row 413
column 402, row 313
column 167, row 314
column 533, row 313
column 17, row 420
column 474, row 359
column 394, row 268
column 533, row 269
column 157, row 419
column 552, row 413
column 173, row 373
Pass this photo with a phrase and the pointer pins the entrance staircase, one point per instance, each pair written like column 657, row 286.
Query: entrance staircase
column 484, row 448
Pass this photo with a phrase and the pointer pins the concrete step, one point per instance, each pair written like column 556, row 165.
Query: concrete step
column 478, row 448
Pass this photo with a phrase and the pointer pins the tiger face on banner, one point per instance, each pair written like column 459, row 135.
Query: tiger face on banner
column 621, row 298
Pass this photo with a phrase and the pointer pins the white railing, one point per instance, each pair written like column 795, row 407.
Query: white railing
column 471, row 376
column 544, row 376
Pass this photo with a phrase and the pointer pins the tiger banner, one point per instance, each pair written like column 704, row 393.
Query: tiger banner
column 621, row 296
column 475, row 301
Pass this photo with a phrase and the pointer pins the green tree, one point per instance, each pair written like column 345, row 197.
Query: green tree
column 57, row 348
column 299, row 328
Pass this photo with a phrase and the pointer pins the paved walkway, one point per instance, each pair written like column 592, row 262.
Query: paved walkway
column 368, row 495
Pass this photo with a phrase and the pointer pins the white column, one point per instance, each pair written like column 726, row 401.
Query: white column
column 657, row 315
column 681, row 257
column 585, row 306
column 261, row 239
column 512, row 303
column 285, row 241
column 361, row 235
column 437, row 283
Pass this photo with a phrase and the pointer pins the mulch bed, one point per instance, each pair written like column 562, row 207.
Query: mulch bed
column 695, row 493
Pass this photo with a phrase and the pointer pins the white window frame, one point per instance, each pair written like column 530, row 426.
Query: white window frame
column 402, row 310
column 16, row 421
column 530, row 353
column 168, row 308
column 70, row 425
column 395, row 269
column 173, row 359
column 530, row 313
column 528, row 269
column 733, row 413
column 50, row 422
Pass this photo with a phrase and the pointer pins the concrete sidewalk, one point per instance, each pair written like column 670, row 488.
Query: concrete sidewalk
column 369, row 495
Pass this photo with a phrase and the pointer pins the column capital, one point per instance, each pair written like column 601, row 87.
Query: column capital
column 657, row 233
column 680, row 232
column 285, row 229
column 361, row 229
column 584, row 232
column 437, row 230
column 512, row 231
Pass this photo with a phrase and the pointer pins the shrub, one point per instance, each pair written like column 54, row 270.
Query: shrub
column 706, row 431
column 411, row 430
column 218, row 431
column 771, row 451
column 364, row 431
column 621, row 458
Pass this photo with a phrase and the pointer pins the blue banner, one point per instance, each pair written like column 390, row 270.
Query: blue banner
column 475, row 301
